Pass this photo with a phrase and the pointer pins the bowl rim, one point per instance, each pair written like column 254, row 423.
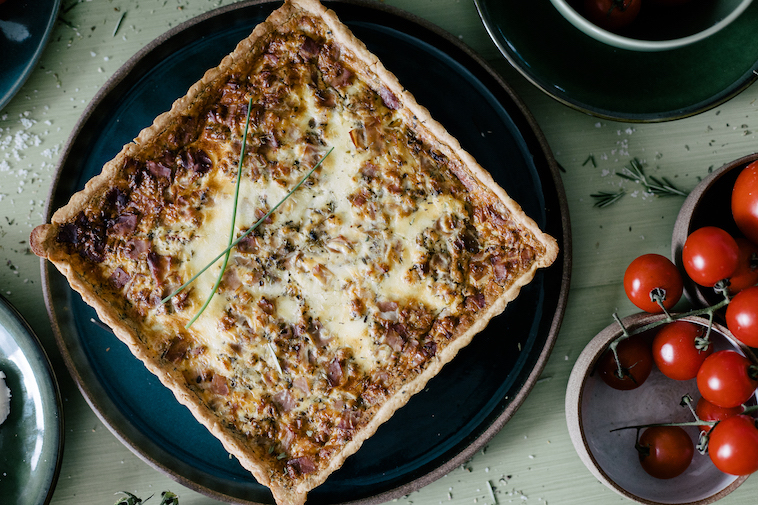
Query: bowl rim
column 585, row 363
column 632, row 44
column 683, row 223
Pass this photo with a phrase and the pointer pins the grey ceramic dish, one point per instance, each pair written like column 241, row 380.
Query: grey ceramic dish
column 31, row 438
column 593, row 409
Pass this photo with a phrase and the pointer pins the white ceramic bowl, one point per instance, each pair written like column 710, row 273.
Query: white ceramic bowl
column 697, row 21
column 593, row 409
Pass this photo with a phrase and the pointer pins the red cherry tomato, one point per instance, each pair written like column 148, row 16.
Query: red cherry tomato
column 652, row 272
column 733, row 445
column 742, row 316
column 745, row 201
column 706, row 411
column 709, row 255
column 665, row 451
column 611, row 14
column 746, row 274
column 726, row 378
column 636, row 364
column 678, row 350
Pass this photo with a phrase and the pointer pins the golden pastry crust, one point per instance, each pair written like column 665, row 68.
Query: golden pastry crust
column 347, row 300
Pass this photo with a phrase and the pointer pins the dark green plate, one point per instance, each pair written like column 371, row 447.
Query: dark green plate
column 31, row 439
column 25, row 28
column 463, row 407
column 620, row 84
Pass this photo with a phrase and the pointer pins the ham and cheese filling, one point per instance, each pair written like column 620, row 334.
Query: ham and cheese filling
column 346, row 292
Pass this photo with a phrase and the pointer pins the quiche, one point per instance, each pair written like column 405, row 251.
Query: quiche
column 328, row 313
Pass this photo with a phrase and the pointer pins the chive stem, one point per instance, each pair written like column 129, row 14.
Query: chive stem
column 234, row 215
column 249, row 230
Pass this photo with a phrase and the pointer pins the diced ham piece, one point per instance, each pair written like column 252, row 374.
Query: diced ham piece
column 284, row 400
column 302, row 465
column 159, row 170
column 309, row 49
column 176, row 350
column 334, row 373
column 389, row 98
column 136, row 247
column 119, row 278
column 124, row 225
column 219, row 385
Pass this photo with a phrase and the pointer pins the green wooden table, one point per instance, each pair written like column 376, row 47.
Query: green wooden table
column 532, row 459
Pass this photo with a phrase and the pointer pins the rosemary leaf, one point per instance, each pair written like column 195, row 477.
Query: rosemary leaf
column 169, row 498
column 129, row 499
column 234, row 215
column 249, row 230
column 664, row 187
column 606, row 198
column 118, row 24
column 658, row 187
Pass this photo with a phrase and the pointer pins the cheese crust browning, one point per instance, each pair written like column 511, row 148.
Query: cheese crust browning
column 395, row 252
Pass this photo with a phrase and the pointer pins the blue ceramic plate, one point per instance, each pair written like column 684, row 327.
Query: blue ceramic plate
column 463, row 407
column 24, row 31
column 621, row 84
column 31, row 439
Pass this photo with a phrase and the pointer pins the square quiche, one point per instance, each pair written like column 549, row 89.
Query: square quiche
column 343, row 302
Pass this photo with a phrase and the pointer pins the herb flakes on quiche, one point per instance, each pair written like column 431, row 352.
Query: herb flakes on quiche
column 393, row 253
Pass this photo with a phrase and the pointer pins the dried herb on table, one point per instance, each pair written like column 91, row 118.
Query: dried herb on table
column 635, row 173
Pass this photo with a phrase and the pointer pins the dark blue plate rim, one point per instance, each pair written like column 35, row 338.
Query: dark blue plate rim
column 537, row 345
column 10, row 86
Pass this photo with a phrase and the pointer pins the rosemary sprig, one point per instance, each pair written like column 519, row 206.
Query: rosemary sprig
column 249, row 230
column 635, row 173
column 606, row 198
column 658, row 187
column 167, row 498
column 234, row 215
column 130, row 499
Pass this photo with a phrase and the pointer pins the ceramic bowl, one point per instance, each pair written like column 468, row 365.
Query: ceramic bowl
column 660, row 28
column 707, row 205
column 593, row 409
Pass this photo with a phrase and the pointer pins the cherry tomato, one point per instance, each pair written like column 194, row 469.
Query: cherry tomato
column 733, row 445
column 678, row 349
column 636, row 364
column 652, row 272
column 709, row 255
column 665, row 451
column 745, row 201
column 612, row 14
column 746, row 274
column 742, row 316
column 706, row 411
column 727, row 379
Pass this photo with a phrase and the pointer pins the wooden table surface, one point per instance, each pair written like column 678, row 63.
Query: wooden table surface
column 532, row 459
